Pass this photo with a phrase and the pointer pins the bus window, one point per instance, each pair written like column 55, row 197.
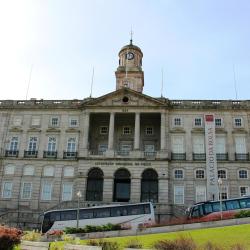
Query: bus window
column 68, row 215
column 208, row 209
column 196, row 212
column 102, row 213
column 55, row 216
column 245, row 203
column 147, row 209
column 216, row 206
column 232, row 205
column 86, row 214
column 133, row 210
column 119, row 211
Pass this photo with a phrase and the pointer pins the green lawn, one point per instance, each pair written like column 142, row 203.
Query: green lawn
column 223, row 236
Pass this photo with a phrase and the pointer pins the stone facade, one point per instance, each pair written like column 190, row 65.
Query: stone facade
column 51, row 149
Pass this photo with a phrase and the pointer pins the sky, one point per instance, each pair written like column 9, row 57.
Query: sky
column 52, row 46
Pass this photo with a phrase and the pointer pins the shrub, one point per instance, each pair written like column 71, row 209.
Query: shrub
column 181, row 243
column 106, row 245
column 32, row 236
column 9, row 237
column 242, row 214
column 212, row 246
column 134, row 244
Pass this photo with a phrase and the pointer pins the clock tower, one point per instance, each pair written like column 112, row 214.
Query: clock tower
column 129, row 73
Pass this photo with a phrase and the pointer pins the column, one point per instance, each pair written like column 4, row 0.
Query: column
column 163, row 131
column 137, row 132
column 86, row 133
column 111, row 131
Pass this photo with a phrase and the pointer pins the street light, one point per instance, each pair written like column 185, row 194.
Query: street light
column 220, row 183
column 79, row 195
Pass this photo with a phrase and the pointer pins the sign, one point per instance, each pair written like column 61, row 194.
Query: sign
column 211, row 161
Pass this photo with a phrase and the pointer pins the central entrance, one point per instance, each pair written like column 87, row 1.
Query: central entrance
column 122, row 185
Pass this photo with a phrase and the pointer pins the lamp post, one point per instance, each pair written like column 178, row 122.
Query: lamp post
column 220, row 183
column 79, row 195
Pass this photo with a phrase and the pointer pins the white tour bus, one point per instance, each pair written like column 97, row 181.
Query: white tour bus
column 129, row 215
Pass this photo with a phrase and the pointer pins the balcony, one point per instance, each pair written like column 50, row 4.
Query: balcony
column 69, row 155
column 242, row 157
column 178, row 156
column 11, row 153
column 50, row 154
column 199, row 157
column 222, row 157
column 30, row 154
column 150, row 154
column 123, row 152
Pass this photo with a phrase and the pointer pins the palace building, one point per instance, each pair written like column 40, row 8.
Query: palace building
column 122, row 147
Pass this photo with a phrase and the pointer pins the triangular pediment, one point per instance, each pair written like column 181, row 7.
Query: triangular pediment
column 126, row 97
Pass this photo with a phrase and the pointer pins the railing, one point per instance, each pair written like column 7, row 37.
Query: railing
column 97, row 152
column 69, row 155
column 11, row 153
column 178, row 156
column 242, row 157
column 222, row 157
column 30, row 154
column 123, row 152
column 199, row 157
column 50, row 154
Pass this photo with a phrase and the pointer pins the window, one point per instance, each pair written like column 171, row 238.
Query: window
column 149, row 131
column 102, row 148
column 7, row 189
column 178, row 144
column 68, row 215
column 199, row 174
column 35, row 121
column 244, row 191
column 32, row 146
column 238, row 122
column 28, row 170
column 54, row 121
column 71, row 145
column 103, row 130
column 197, row 122
column 14, row 144
column 68, row 172
column 178, row 174
column 222, row 174
column 125, row 149
column 9, row 170
column 26, row 190
column 218, row 122
column 220, row 145
column 17, row 121
column 177, row 122
column 46, row 191
column 240, row 145
column 223, row 193
column 243, row 174
column 51, row 144
column 73, row 122
column 178, row 195
column 126, row 130
column 198, row 144
column 48, row 171
column 200, row 193
column 149, row 148
column 67, row 191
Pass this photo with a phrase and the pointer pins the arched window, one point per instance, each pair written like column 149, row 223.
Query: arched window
column 48, row 171
column 243, row 174
column 122, row 185
column 222, row 174
column 149, row 186
column 28, row 170
column 94, row 190
column 199, row 174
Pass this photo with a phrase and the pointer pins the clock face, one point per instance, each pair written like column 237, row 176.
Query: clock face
column 129, row 56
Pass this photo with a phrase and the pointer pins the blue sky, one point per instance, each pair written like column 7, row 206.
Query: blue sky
column 195, row 42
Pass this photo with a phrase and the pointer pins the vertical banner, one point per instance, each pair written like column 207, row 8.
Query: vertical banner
column 211, row 161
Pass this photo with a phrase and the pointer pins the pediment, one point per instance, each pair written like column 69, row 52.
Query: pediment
column 126, row 97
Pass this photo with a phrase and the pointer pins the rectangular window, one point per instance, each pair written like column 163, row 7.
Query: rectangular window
column 178, row 144
column 9, row 169
column 238, row 122
column 149, row 148
column 200, row 193
column 71, row 145
column 197, row 122
column 102, row 148
column 223, row 193
column 51, row 144
column 125, row 149
column 14, row 144
column 54, row 121
column 26, row 190
column 32, row 146
column 104, row 130
column 240, row 145
column 177, row 122
column 178, row 195
column 46, row 191
column 7, row 189
column 218, row 122
column 17, row 121
column 220, row 145
column 149, row 131
column 67, row 191
column 35, row 121
column 198, row 145
column 126, row 130
column 244, row 191
column 73, row 122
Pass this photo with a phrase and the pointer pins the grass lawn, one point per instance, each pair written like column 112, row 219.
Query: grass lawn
column 223, row 236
